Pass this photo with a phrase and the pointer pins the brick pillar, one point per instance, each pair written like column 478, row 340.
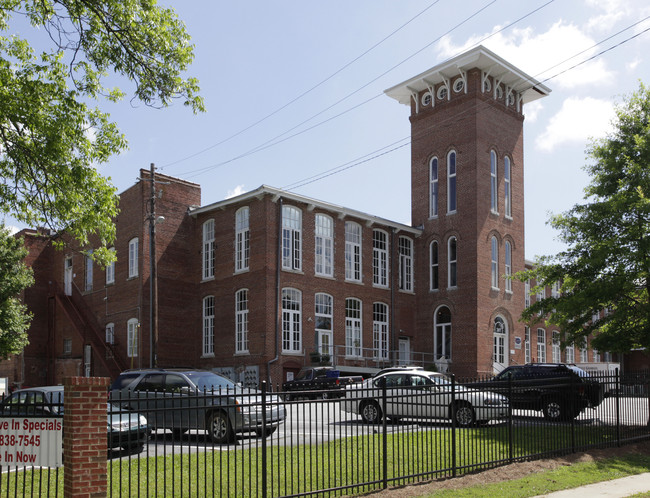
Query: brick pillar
column 84, row 436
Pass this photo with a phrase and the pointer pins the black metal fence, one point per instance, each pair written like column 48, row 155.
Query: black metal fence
column 364, row 438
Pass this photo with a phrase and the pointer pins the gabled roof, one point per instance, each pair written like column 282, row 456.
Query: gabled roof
column 339, row 211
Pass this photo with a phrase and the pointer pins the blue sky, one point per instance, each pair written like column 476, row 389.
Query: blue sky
column 311, row 75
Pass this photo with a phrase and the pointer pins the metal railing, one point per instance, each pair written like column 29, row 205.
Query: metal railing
column 364, row 438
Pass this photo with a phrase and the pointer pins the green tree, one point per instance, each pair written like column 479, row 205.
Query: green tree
column 51, row 138
column 605, row 270
column 15, row 276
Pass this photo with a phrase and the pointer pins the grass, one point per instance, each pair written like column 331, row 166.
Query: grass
column 351, row 464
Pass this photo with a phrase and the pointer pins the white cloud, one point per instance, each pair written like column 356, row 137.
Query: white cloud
column 577, row 121
column 238, row 190
column 612, row 11
column 532, row 110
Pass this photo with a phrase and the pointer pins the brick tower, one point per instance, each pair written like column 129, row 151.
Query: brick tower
column 467, row 193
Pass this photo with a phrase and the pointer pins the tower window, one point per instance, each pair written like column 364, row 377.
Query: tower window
column 451, row 182
column 433, row 188
column 493, row 182
column 506, row 187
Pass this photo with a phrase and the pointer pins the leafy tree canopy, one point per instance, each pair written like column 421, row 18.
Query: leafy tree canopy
column 51, row 139
column 14, row 277
column 605, row 272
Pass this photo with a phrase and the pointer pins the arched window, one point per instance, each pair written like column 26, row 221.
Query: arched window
column 208, row 249
column 208, row 326
column 452, row 266
column 493, row 182
column 324, row 245
column 380, row 330
column 508, row 267
column 495, row 263
column 500, row 341
column 442, row 334
column 291, row 238
column 242, row 239
column 352, row 251
column 241, row 321
column 434, row 277
column 433, row 188
column 353, row 337
column 405, row 252
column 291, row 321
column 379, row 258
column 133, row 258
column 132, row 337
column 507, row 198
column 451, row 182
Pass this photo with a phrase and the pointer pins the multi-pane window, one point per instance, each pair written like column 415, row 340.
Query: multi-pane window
column 353, row 339
column 241, row 321
column 291, row 238
column 110, row 269
column 596, row 356
column 527, row 293
column 434, row 277
column 242, row 239
column 132, row 339
column 433, row 188
column 451, row 182
column 570, row 354
column 208, row 326
column 323, row 311
column 291, row 321
column 324, row 245
column 493, row 182
column 527, row 357
column 541, row 294
column 208, row 249
column 405, row 251
column 442, row 334
column 499, row 341
column 507, row 194
column 541, row 345
column 556, row 352
column 380, row 258
column 133, row 258
column 352, row 251
column 584, row 357
column 495, row 263
column 508, row 266
column 89, row 270
column 380, row 330
column 452, row 267
column 110, row 333
column 555, row 290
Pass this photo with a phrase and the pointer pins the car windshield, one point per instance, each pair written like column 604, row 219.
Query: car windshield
column 207, row 381
column 440, row 381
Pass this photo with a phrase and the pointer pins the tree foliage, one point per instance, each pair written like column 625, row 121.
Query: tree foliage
column 15, row 276
column 51, row 138
column 605, row 272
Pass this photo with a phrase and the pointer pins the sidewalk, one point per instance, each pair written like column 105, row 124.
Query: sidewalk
column 616, row 488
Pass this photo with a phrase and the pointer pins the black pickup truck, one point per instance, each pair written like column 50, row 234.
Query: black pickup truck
column 561, row 391
column 325, row 382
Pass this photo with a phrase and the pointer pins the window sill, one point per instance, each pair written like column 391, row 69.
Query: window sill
column 290, row 270
column 210, row 355
column 377, row 286
column 293, row 353
column 358, row 282
column 208, row 279
column 452, row 287
column 243, row 270
column 406, row 291
column 322, row 275
column 242, row 353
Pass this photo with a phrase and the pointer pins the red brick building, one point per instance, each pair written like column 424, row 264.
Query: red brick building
column 256, row 285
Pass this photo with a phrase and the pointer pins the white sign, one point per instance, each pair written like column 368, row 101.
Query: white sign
column 31, row 441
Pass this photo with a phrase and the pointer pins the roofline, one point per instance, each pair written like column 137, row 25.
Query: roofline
column 263, row 190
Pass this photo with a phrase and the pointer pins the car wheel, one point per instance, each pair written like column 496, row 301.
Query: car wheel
column 219, row 428
column 465, row 416
column 288, row 397
column 266, row 433
column 326, row 395
column 553, row 409
column 371, row 412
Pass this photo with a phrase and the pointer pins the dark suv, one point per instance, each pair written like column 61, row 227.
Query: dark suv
column 561, row 391
column 185, row 399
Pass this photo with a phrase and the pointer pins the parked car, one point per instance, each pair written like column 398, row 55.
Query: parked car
column 124, row 429
column 325, row 382
column 414, row 393
column 186, row 399
column 559, row 390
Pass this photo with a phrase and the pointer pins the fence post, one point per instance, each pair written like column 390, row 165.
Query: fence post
column 618, row 410
column 384, row 441
column 264, row 468
column 84, row 439
column 453, row 425
column 511, row 445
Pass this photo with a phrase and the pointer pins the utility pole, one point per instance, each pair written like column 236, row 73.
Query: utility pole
column 153, row 276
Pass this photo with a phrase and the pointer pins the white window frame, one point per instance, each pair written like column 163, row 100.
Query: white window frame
column 241, row 321
column 452, row 263
column 500, row 342
column 353, row 235
column 508, row 266
column 452, row 184
column 88, row 273
column 494, row 267
column 110, row 269
column 527, row 355
column 379, row 258
column 323, row 245
column 323, row 322
column 353, row 328
column 442, row 338
column 110, row 333
column 208, row 250
column 380, row 330
column 433, row 188
column 208, row 314
column 570, row 354
column 291, row 238
column 494, row 186
column 132, row 337
column 134, row 268
column 556, row 351
column 242, row 239
column 405, row 254
column 291, row 320
column 527, row 294
column 434, row 262
column 507, row 189
column 541, row 346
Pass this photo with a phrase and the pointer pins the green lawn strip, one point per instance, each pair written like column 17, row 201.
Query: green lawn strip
column 578, row 474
